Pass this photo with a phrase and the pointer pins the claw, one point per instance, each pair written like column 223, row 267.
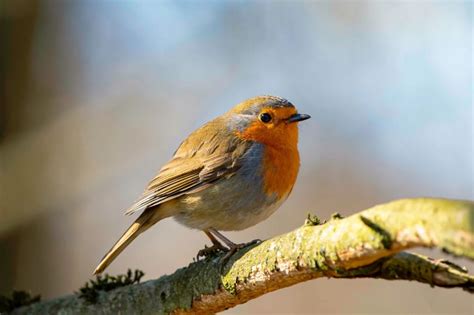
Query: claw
column 255, row 241
column 210, row 251
column 233, row 249
column 217, row 246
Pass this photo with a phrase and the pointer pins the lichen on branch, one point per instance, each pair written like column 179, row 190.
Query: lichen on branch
column 367, row 244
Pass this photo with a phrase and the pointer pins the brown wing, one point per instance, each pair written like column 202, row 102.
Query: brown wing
column 196, row 165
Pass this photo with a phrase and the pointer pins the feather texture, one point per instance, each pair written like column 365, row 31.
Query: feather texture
column 206, row 156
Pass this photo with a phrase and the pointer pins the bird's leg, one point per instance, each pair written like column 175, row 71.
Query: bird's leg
column 216, row 246
column 214, row 240
column 232, row 246
column 224, row 239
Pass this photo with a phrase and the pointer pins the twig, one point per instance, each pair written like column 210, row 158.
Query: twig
column 367, row 244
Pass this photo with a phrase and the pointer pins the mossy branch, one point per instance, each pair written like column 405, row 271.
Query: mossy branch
column 369, row 244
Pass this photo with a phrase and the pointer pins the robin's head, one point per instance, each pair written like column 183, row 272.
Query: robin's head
column 269, row 120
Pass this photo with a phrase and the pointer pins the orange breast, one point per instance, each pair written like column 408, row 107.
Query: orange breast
column 281, row 160
column 280, row 169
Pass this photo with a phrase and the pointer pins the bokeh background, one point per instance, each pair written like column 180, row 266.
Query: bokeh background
column 96, row 96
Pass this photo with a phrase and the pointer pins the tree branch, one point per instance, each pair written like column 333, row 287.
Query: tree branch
column 365, row 245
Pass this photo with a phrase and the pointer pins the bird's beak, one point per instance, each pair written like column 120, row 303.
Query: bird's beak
column 297, row 117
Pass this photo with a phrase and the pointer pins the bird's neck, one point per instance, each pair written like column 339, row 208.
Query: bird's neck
column 281, row 159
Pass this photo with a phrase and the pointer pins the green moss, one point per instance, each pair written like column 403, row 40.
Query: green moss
column 444, row 223
column 312, row 220
column 336, row 216
column 91, row 289
column 17, row 299
column 385, row 237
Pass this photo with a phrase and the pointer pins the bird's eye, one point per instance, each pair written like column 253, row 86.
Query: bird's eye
column 265, row 117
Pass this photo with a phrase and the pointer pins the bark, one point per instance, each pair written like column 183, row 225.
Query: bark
column 369, row 244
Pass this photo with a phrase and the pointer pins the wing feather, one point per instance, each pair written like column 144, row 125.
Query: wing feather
column 193, row 169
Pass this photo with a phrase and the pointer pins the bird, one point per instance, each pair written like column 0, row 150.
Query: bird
column 228, row 175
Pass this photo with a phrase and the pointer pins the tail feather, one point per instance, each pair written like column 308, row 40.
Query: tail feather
column 141, row 224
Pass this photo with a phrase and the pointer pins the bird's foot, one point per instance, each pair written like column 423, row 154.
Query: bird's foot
column 255, row 241
column 236, row 247
column 211, row 251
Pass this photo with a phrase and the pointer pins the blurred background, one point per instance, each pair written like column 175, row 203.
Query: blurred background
column 96, row 95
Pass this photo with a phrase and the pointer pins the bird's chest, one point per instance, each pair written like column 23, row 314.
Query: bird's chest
column 280, row 169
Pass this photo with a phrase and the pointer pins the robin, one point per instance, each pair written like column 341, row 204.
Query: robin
column 228, row 175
